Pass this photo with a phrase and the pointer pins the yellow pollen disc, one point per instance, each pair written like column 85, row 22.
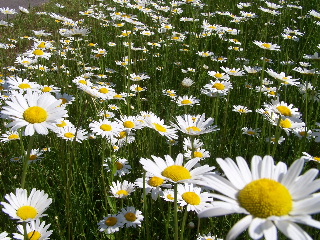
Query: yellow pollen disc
column 130, row 216
column 24, row 85
column 13, row 136
column 176, row 173
column 27, row 212
column 285, row 111
column 193, row 128
column 122, row 135
column 62, row 124
column 119, row 165
column 123, row 192
column 303, row 133
column 219, row 86
column 186, row 101
column 104, row 90
column 155, row 181
column 159, row 127
column 316, row 158
column 42, row 45
column 84, row 82
column 34, row 235
column 46, row 89
column 286, row 123
column 198, row 154
column 35, row 115
column 139, row 89
column 69, row 135
column 242, row 110
column 106, row 127
column 175, row 38
column 251, row 132
column 266, row 45
column 64, row 100
column 111, row 221
column 284, row 78
column 117, row 96
column 33, row 157
column 169, row 196
column 38, row 52
column 218, row 75
column 129, row 124
column 191, row 198
column 266, row 197
column 272, row 93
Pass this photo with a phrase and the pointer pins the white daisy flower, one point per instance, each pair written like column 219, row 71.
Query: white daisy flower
column 240, row 109
column 17, row 83
column 175, row 171
column 133, row 217
column 111, row 223
column 157, row 124
column 191, row 143
column 122, row 189
column 9, row 136
column 193, row 197
column 4, row 236
column 187, row 100
column 268, row 46
column 309, row 157
column 270, row 195
column 106, row 128
column 35, row 230
column 197, row 153
column 71, row 133
column 120, row 166
column 24, row 207
column 168, row 195
column 283, row 108
column 38, row 112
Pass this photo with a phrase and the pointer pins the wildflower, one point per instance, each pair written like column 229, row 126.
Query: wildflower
column 270, row 195
column 111, row 223
column 105, row 128
column 132, row 216
column 4, row 236
column 175, row 171
column 268, row 46
column 283, row 109
column 186, row 100
column 273, row 140
column 26, row 208
column 187, row 82
column 122, row 190
column 71, row 133
column 9, row 136
column 308, row 157
column 121, row 165
column 219, row 87
column 240, row 109
column 35, row 230
column 250, row 131
column 194, row 124
column 196, row 153
column 37, row 112
column 157, row 124
column 17, row 83
column 282, row 77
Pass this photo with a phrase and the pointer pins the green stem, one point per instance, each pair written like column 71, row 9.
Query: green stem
column 184, row 219
column 26, row 162
column 175, row 212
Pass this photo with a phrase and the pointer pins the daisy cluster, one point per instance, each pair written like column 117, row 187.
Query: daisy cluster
column 158, row 93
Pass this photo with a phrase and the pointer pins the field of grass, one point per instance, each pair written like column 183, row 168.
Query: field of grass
column 121, row 84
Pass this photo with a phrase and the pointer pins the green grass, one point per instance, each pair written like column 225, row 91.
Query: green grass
column 72, row 174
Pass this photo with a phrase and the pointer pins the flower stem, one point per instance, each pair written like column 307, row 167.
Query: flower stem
column 175, row 212
column 26, row 162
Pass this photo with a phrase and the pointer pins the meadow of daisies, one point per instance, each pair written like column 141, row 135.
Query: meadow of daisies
column 134, row 119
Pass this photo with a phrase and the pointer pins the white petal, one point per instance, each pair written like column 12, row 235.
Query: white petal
column 267, row 167
column 307, row 206
column 292, row 230
column 244, row 169
column 232, row 172
column 255, row 167
column 219, row 210
column 292, row 174
column 239, row 227
column 279, row 171
column 270, row 231
column 255, row 228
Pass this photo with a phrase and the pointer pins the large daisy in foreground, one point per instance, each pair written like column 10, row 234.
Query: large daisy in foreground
column 175, row 171
column 38, row 112
column 271, row 196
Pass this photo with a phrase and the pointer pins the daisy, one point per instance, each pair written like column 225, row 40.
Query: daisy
column 218, row 75
column 187, row 82
column 157, row 124
column 35, row 230
column 35, row 155
column 194, row 124
column 193, row 197
column 122, row 189
column 38, row 112
column 174, row 170
column 270, row 195
column 120, row 166
column 168, row 195
column 282, row 108
column 132, row 216
column 17, row 83
column 105, row 128
column 308, row 157
column 288, row 124
column 220, row 87
column 9, row 136
column 250, row 131
column 152, row 184
column 208, row 237
column 197, row 153
column 273, row 140
column 111, row 223
column 233, row 71
column 26, row 208
column 71, row 133
column 240, row 109
column 268, row 46
column 187, row 100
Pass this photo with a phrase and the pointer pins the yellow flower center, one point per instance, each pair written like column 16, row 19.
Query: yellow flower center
column 33, row 157
column 219, row 86
column 106, row 127
column 266, row 45
column 42, row 45
column 35, row 115
column 46, row 89
column 62, row 124
column 84, row 82
column 251, row 132
column 198, row 154
column 13, row 136
column 176, row 173
column 186, row 101
column 24, row 85
column 284, row 111
column 104, row 90
column 286, row 123
column 69, row 135
column 193, row 128
column 139, row 89
column 123, row 192
column 119, row 165
column 27, row 212
column 117, row 96
column 242, row 110
column 155, row 181
column 169, row 196
column 265, row 197
column 218, row 75
column 63, row 100
column 129, row 124
column 159, row 127
column 191, row 198
column 38, row 52
column 316, row 158
column 111, row 221
column 130, row 216
column 34, row 235
column 122, row 135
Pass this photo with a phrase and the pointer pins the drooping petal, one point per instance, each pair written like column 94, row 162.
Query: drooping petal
column 239, row 227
